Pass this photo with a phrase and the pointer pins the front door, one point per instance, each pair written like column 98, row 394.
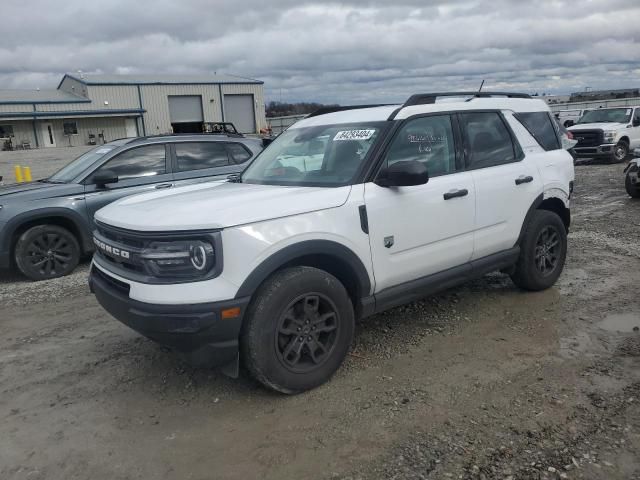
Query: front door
column 130, row 127
column 424, row 229
column 48, row 137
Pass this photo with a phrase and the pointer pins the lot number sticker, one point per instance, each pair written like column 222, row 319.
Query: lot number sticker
column 354, row 135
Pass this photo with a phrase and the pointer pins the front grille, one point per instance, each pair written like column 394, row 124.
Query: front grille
column 118, row 243
column 588, row 138
column 116, row 284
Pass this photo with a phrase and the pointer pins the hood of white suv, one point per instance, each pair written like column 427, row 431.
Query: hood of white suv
column 217, row 205
column 602, row 125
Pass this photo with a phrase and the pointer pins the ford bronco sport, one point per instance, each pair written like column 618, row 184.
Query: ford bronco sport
column 349, row 212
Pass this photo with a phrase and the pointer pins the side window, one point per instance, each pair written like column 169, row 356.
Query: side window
column 239, row 153
column 487, row 140
column 539, row 125
column 428, row 140
column 138, row 162
column 199, row 155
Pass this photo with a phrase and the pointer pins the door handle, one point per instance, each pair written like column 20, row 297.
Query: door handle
column 522, row 179
column 456, row 193
column 164, row 185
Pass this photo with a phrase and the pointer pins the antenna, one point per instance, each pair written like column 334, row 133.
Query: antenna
column 481, row 85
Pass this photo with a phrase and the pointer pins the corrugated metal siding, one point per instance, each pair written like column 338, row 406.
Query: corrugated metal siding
column 119, row 97
column 16, row 108
column 113, row 128
column 257, row 91
column 21, row 131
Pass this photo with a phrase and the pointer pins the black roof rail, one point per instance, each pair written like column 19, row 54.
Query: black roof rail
column 429, row 98
column 339, row 108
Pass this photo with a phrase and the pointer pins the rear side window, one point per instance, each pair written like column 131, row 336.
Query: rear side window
column 239, row 153
column 144, row 161
column 200, row 155
column 488, row 142
column 539, row 125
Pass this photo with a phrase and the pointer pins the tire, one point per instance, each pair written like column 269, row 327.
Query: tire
column 282, row 313
column 534, row 270
column 46, row 251
column 633, row 191
column 620, row 151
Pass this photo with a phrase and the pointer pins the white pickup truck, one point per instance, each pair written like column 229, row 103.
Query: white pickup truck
column 607, row 132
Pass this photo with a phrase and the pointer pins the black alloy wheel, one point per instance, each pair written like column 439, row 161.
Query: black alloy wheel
column 307, row 332
column 547, row 251
column 46, row 251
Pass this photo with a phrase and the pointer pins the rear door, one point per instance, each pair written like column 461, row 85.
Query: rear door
column 195, row 162
column 506, row 179
column 139, row 169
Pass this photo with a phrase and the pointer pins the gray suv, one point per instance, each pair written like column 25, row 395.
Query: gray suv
column 45, row 226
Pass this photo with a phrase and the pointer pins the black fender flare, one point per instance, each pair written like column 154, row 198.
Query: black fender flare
column 534, row 206
column 302, row 249
column 80, row 223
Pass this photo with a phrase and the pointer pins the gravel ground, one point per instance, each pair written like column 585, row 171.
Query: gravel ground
column 481, row 382
column 43, row 162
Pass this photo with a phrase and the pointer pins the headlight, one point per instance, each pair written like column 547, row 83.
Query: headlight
column 610, row 136
column 179, row 258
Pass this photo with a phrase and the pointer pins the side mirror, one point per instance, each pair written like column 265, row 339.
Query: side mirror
column 403, row 174
column 636, row 122
column 569, row 123
column 104, row 177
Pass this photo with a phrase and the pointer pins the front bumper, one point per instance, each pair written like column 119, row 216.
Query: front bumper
column 196, row 331
column 605, row 150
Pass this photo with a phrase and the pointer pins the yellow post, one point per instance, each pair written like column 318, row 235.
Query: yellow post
column 26, row 171
column 18, row 172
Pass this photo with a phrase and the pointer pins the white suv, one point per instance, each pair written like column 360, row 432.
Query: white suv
column 349, row 212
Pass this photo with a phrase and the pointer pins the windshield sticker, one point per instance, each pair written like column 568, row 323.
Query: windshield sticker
column 354, row 135
column 628, row 111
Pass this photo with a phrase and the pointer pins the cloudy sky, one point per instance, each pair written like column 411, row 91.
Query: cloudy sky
column 351, row 51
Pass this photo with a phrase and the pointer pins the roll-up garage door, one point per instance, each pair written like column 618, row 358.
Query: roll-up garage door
column 185, row 108
column 239, row 110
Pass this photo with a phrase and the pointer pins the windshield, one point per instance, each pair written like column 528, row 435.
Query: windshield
column 607, row 115
column 77, row 166
column 326, row 155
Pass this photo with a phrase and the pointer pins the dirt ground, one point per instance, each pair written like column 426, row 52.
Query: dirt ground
column 483, row 381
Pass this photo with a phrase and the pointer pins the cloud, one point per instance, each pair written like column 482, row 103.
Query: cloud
column 349, row 51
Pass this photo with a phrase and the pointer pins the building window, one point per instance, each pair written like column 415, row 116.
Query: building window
column 6, row 131
column 70, row 128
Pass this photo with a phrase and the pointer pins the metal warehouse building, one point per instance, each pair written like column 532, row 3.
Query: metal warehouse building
column 87, row 109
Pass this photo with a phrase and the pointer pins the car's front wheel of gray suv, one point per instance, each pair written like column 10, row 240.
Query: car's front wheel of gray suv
column 46, row 251
column 543, row 251
column 298, row 330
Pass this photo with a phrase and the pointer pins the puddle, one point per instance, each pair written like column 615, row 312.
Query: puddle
column 621, row 322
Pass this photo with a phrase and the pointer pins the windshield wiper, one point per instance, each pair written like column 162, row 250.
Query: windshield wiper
column 48, row 180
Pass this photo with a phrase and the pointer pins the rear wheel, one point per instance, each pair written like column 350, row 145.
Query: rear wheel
column 46, row 251
column 632, row 190
column 298, row 330
column 542, row 252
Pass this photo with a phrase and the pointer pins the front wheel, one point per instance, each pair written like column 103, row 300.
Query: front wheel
column 46, row 251
column 620, row 151
column 632, row 190
column 298, row 330
column 542, row 252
